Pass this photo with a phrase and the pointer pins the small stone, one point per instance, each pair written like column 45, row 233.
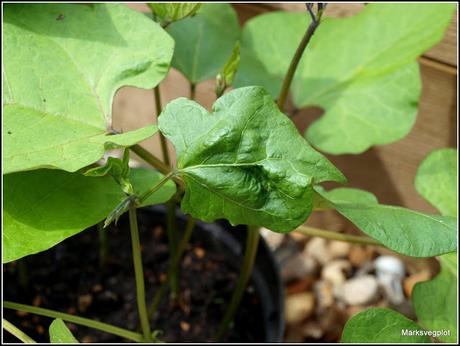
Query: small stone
column 317, row 249
column 199, row 252
column 84, row 301
column 338, row 249
column 298, row 267
column 273, row 239
column 390, row 272
column 358, row 291
column 359, row 255
column 300, row 285
column 410, row 281
column 354, row 309
column 324, row 292
column 299, row 307
column 312, row 330
column 336, row 272
column 184, row 326
column 40, row 330
column 163, row 277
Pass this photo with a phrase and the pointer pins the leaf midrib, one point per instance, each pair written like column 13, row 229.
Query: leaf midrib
column 225, row 197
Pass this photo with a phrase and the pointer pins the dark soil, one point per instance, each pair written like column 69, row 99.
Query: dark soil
column 69, row 278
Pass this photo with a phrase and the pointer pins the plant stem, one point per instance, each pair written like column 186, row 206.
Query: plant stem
column 173, row 264
column 12, row 329
column 103, row 245
column 316, row 232
column 164, row 145
column 252, row 242
column 192, row 91
column 171, row 227
column 154, row 188
column 127, row 334
column 151, row 159
column 296, row 59
column 139, row 273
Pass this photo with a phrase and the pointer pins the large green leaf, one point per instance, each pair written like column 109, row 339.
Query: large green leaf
column 245, row 162
column 403, row 230
column 205, row 41
column 435, row 301
column 60, row 334
column 436, row 180
column 62, row 65
column 378, row 325
column 44, row 207
column 360, row 69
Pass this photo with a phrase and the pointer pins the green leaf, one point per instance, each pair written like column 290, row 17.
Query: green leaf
column 377, row 325
column 44, row 207
column 60, row 334
column 117, row 169
column 63, row 64
column 435, row 301
column 167, row 12
column 360, row 69
column 205, row 41
column 225, row 78
column 236, row 166
column 403, row 230
column 436, row 180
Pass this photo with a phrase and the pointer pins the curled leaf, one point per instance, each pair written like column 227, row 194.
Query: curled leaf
column 168, row 12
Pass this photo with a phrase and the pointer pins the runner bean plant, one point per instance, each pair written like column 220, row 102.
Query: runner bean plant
column 243, row 160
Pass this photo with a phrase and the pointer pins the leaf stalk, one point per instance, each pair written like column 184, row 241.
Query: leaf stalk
column 316, row 20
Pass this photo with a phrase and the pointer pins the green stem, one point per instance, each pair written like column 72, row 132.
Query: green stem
column 295, row 61
column 139, row 274
column 127, row 334
column 171, row 227
column 164, row 145
column 151, row 159
column 192, row 91
column 12, row 329
column 316, row 232
column 155, row 162
column 154, row 188
column 103, row 245
column 252, row 242
column 173, row 265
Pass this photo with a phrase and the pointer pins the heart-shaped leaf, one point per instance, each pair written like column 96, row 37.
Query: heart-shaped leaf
column 403, row 230
column 44, row 207
column 360, row 69
column 436, row 180
column 205, row 41
column 245, row 162
column 377, row 325
column 62, row 65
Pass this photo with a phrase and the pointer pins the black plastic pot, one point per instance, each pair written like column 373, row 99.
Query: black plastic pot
column 62, row 275
column 222, row 237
